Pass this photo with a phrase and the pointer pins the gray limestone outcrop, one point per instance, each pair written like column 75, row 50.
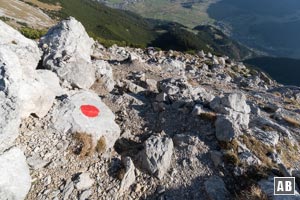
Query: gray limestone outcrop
column 67, row 51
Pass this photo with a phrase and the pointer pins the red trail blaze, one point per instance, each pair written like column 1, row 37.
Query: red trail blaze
column 89, row 110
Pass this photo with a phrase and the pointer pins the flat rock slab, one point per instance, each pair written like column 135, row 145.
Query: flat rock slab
column 15, row 180
column 84, row 112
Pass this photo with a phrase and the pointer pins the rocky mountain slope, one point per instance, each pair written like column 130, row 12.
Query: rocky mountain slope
column 80, row 121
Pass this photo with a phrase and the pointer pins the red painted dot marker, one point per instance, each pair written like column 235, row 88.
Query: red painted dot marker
column 89, row 110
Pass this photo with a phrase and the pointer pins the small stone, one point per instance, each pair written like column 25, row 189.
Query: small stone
column 134, row 88
column 160, row 189
column 198, row 109
column 216, row 157
column 162, row 97
column 137, row 188
column 85, row 195
column 47, row 180
column 129, row 176
column 151, row 85
column 68, row 189
column 83, row 181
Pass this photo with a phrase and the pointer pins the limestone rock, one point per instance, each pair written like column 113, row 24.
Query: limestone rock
column 37, row 94
column 69, row 117
column 118, row 53
column 156, row 155
column 85, row 195
column 129, row 176
column 105, row 74
column 215, row 188
column 249, row 158
column 67, row 191
column 234, row 101
column 83, row 181
column 216, row 157
column 10, row 77
column 236, row 115
column 26, row 50
column 15, row 180
column 67, row 50
column 226, row 130
column 267, row 137
column 151, row 85
column 181, row 90
column 35, row 162
column 173, row 66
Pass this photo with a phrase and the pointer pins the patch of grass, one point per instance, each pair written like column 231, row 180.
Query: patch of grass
column 289, row 152
column 101, row 145
column 4, row 19
column 258, row 148
column 267, row 128
column 22, row 23
column 209, row 116
column 231, row 157
column 252, row 193
column 231, row 153
column 277, row 94
column 232, row 74
column 84, row 145
column 32, row 33
column 291, row 104
column 232, row 145
column 291, row 121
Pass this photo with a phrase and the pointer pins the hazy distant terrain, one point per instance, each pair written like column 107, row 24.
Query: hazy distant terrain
column 187, row 12
column 269, row 25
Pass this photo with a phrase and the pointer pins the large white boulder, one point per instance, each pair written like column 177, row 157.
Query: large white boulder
column 26, row 49
column 84, row 112
column 15, row 180
column 10, row 77
column 23, row 89
column 67, row 51
column 235, row 115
